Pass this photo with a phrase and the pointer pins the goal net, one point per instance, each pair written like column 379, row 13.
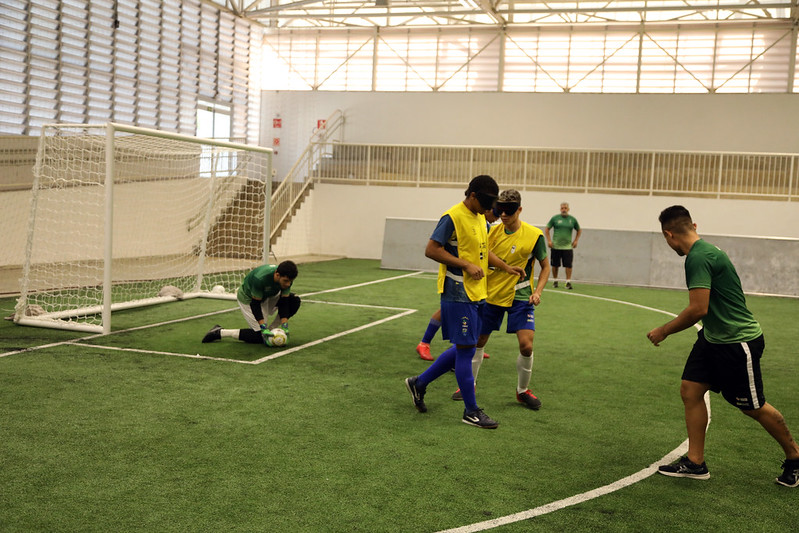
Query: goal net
column 123, row 217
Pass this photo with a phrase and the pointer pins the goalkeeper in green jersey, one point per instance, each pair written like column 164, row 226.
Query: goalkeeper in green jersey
column 265, row 291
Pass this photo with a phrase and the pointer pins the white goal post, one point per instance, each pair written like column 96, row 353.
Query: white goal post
column 124, row 217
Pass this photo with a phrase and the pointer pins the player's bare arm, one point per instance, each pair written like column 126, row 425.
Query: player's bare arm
column 435, row 251
column 543, row 277
column 698, row 300
column 577, row 238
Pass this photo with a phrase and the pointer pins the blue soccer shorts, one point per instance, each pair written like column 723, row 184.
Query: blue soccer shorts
column 520, row 316
column 460, row 322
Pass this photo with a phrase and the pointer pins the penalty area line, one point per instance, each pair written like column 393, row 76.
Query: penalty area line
column 276, row 355
column 361, row 284
column 186, row 319
column 334, row 336
column 97, row 335
column 156, row 352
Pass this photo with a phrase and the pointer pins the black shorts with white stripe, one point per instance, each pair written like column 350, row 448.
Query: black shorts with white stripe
column 732, row 369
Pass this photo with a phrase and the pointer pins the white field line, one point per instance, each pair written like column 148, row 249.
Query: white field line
column 156, row 352
column 362, row 284
column 276, row 354
column 33, row 348
column 573, row 500
column 94, row 336
column 594, row 493
column 387, row 308
column 331, row 337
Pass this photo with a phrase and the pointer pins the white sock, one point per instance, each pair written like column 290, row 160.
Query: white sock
column 524, row 369
column 234, row 333
column 477, row 360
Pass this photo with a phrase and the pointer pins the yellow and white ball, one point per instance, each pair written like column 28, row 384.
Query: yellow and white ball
column 279, row 337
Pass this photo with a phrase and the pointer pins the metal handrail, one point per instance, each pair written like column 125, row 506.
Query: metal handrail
column 301, row 175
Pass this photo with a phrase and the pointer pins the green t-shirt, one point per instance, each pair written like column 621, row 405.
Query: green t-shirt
column 562, row 234
column 260, row 284
column 728, row 320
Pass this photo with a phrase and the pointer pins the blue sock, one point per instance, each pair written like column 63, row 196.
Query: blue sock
column 463, row 373
column 443, row 364
column 432, row 329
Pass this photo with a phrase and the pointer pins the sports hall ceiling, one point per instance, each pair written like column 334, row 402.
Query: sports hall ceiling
column 288, row 14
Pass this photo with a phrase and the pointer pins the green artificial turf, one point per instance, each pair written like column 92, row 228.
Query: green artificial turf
column 325, row 437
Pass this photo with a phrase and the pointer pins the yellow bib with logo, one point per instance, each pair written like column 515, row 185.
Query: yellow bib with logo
column 471, row 239
column 515, row 249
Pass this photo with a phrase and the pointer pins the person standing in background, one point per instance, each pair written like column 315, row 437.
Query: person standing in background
column 561, row 243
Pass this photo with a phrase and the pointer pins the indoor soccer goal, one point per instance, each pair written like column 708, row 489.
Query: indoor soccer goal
column 123, row 217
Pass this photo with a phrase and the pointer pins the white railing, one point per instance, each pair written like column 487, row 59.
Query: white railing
column 702, row 174
column 301, row 176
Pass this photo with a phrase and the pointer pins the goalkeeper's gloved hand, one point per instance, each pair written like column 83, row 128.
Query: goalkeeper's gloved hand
column 267, row 335
column 285, row 327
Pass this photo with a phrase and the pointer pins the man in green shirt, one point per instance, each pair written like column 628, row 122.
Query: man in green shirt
column 561, row 244
column 726, row 355
column 265, row 290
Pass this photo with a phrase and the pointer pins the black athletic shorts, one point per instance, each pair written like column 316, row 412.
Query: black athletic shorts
column 732, row 369
column 566, row 256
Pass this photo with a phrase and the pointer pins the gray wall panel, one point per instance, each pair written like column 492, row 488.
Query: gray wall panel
column 404, row 242
column 765, row 266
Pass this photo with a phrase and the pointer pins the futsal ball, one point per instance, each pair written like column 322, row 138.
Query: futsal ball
column 218, row 289
column 279, row 337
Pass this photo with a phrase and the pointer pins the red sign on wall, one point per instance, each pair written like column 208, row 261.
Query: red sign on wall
column 275, row 141
column 277, row 123
column 321, row 124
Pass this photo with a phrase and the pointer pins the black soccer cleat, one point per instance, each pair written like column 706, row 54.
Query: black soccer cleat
column 790, row 473
column 684, row 467
column 529, row 399
column 214, row 334
column 479, row 419
column 417, row 394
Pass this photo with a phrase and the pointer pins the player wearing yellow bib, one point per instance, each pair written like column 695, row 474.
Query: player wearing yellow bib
column 459, row 243
column 518, row 244
column 423, row 348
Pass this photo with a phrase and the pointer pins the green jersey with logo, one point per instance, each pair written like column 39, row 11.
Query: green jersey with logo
column 562, row 232
column 728, row 320
column 260, row 284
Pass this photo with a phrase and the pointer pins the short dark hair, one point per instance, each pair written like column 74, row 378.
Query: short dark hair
column 287, row 269
column 676, row 219
column 483, row 184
